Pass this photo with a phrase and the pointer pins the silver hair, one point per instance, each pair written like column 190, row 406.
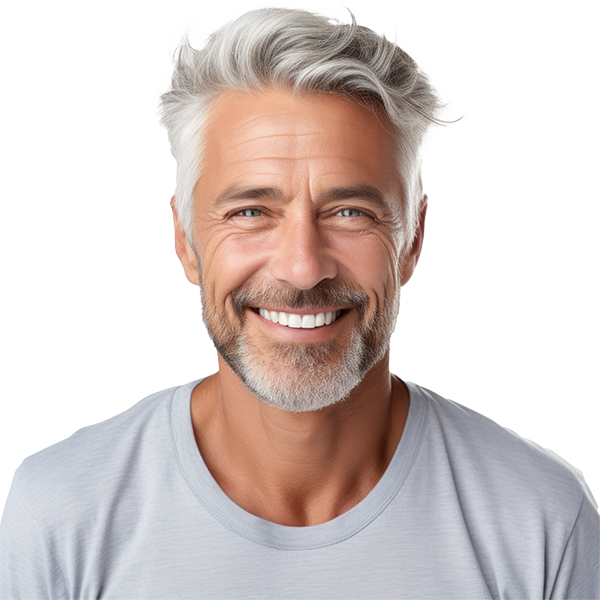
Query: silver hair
column 302, row 52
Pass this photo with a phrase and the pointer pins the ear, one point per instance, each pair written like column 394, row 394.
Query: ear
column 412, row 258
column 186, row 254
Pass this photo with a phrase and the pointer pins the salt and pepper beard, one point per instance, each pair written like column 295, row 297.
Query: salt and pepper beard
column 302, row 377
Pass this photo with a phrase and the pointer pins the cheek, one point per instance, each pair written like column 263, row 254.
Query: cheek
column 372, row 261
column 228, row 261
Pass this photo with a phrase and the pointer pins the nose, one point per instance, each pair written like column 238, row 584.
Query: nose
column 301, row 256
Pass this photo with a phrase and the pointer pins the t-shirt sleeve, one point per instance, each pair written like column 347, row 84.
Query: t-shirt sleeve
column 578, row 575
column 28, row 568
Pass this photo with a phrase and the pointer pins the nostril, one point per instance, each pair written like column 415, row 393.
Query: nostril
column 302, row 268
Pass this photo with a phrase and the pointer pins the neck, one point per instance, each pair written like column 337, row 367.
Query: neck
column 298, row 468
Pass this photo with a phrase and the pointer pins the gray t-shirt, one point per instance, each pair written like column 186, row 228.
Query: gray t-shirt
column 466, row 509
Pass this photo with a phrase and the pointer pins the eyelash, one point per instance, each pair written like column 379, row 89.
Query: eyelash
column 350, row 217
column 354, row 210
column 239, row 213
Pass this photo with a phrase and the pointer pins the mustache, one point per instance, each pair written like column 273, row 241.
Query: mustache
column 324, row 294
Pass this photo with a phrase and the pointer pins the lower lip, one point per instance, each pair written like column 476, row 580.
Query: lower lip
column 296, row 334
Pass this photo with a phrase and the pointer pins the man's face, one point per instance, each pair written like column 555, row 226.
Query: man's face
column 297, row 212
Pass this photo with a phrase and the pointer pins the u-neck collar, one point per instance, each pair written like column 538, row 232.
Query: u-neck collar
column 285, row 537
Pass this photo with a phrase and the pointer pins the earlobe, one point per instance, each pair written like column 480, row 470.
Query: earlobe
column 412, row 257
column 184, row 251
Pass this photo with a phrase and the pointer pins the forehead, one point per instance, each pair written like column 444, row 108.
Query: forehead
column 275, row 133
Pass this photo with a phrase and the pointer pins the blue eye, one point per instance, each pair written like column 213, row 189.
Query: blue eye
column 250, row 212
column 350, row 212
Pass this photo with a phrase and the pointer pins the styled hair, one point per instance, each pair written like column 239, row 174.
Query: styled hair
column 302, row 52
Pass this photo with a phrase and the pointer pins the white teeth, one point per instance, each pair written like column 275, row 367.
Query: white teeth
column 295, row 321
column 299, row 321
column 309, row 321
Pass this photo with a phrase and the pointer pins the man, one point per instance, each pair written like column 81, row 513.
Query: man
column 302, row 468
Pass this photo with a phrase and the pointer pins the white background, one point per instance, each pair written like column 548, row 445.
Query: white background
column 501, row 315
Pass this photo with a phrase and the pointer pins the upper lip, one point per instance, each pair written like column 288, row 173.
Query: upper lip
column 303, row 311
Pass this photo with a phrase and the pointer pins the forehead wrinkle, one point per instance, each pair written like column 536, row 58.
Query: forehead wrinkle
column 278, row 117
column 298, row 159
column 273, row 158
column 292, row 138
column 273, row 121
column 286, row 134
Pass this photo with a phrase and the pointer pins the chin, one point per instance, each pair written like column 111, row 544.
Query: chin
column 303, row 378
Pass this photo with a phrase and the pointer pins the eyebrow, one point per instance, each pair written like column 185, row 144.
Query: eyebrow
column 240, row 192
column 366, row 192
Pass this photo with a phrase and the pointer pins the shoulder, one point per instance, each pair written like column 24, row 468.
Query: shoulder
column 508, row 470
column 525, row 508
column 74, row 472
column 73, row 501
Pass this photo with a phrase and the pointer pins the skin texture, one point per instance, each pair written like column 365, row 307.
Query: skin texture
column 269, row 213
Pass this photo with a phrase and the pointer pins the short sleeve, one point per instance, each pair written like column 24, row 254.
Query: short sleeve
column 578, row 575
column 27, row 567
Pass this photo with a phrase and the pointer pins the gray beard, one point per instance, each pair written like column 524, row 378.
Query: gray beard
column 305, row 378
column 300, row 378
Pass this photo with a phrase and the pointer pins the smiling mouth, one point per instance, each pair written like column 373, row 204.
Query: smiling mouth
column 299, row 321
